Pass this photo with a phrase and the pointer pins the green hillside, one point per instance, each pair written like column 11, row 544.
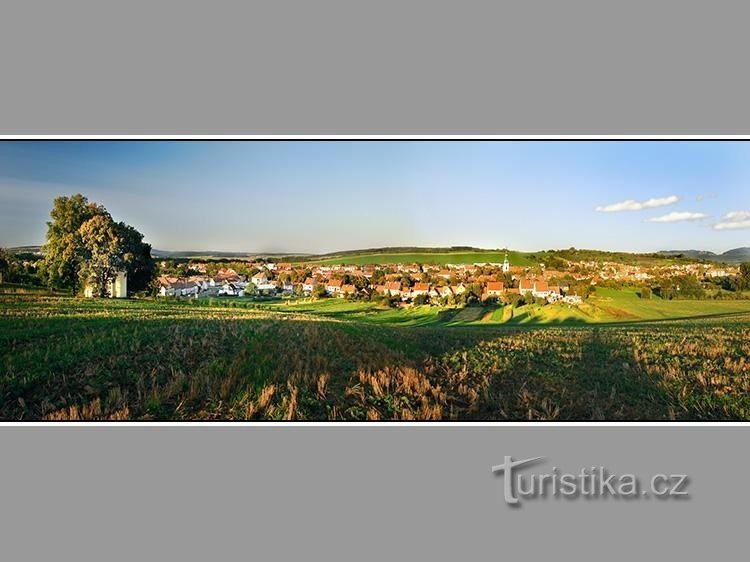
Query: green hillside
column 605, row 306
column 442, row 258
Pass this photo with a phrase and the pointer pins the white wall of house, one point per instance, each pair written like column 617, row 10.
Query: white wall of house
column 118, row 287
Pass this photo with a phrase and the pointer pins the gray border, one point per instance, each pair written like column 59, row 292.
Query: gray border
column 388, row 67
column 359, row 493
column 343, row 493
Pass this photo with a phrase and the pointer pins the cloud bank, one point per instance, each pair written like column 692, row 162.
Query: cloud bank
column 734, row 221
column 633, row 205
column 679, row 217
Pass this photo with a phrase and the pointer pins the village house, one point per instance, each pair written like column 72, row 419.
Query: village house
column 420, row 289
column 393, row 287
column 181, row 288
column 348, row 290
column 259, row 278
column 230, row 290
column 308, row 285
column 525, row 286
column 333, row 287
column 713, row 273
column 493, row 289
column 444, row 292
column 267, row 287
column 458, row 289
column 540, row 289
column 226, row 274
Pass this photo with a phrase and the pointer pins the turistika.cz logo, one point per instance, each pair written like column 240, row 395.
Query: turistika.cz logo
column 592, row 482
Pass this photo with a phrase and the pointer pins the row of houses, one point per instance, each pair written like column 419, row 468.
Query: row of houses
column 228, row 283
column 537, row 288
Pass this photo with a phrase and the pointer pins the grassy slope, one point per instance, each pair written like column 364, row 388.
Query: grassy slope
column 625, row 304
column 606, row 306
column 515, row 258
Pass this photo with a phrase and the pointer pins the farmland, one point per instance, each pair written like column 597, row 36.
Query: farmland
column 605, row 306
column 618, row 358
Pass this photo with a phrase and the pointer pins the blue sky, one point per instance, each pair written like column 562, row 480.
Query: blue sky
column 302, row 196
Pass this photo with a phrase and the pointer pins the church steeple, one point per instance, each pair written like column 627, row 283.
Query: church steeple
column 506, row 264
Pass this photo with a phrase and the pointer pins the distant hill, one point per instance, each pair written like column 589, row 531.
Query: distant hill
column 451, row 254
column 405, row 250
column 737, row 255
column 206, row 254
column 441, row 256
column 25, row 249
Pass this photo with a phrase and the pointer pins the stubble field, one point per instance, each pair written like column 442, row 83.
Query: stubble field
column 76, row 359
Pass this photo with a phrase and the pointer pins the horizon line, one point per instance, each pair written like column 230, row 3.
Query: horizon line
column 406, row 249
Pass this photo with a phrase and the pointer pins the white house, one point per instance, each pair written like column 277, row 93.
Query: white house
column 259, row 278
column 459, row 289
column 308, row 285
column 117, row 289
column 420, row 289
column 229, row 289
column 333, row 287
column 541, row 289
column 444, row 291
column 266, row 287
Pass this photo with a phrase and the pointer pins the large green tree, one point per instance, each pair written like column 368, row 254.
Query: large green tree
column 64, row 248
column 136, row 257
column 85, row 245
column 102, row 253
column 4, row 263
column 744, row 276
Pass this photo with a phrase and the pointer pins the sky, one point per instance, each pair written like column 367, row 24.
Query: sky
column 324, row 196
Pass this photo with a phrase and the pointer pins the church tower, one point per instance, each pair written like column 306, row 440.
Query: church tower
column 506, row 265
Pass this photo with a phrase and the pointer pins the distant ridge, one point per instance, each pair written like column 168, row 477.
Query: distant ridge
column 737, row 255
column 25, row 249
column 212, row 254
column 734, row 256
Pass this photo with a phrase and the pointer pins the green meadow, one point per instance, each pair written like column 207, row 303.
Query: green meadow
column 616, row 357
column 605, row 306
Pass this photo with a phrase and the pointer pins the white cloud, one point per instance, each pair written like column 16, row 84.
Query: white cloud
column 678, row 217
column 633, row 205
column 734, row 221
